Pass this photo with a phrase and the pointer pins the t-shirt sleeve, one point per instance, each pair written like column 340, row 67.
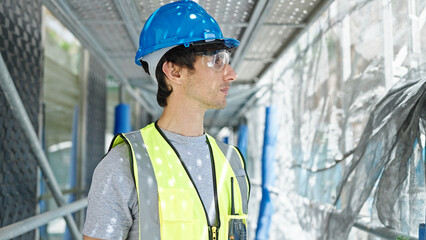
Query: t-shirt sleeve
column 112, row 201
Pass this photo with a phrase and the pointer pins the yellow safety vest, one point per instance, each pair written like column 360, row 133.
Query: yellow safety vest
column 170, row 207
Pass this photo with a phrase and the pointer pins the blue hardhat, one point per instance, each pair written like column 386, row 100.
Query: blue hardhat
column 179, row 23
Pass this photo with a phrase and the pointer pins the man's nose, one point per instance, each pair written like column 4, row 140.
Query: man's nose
column 229, row 73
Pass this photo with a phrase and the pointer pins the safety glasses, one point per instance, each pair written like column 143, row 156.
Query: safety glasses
column 216, row 60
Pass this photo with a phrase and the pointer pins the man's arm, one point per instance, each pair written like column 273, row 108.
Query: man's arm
column 112, row 199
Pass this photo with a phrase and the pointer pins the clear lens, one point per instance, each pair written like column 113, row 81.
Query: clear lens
column 216, row 60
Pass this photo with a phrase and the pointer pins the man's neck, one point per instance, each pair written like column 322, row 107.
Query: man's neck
column 184, row 121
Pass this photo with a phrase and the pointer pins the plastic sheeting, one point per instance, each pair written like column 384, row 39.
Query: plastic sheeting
column 389, row 152
column 351, row 99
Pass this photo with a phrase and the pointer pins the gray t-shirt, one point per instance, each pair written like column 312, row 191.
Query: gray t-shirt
column 112, row 211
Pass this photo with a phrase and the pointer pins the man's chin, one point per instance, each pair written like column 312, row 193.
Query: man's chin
column 218, row 106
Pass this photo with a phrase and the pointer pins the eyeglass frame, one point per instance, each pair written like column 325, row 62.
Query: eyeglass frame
column 211, row 63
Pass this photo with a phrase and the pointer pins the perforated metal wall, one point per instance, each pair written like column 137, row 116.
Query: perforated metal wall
column 20, row 47
column 96, row 119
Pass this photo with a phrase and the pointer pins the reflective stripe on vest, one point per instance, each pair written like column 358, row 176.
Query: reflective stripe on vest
column 238, row 166
column 144, row 176
column 176, row 212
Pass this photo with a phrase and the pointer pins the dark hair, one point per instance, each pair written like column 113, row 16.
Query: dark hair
column 181, row 56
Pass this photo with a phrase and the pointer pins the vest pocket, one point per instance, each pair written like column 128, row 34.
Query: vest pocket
column 177, row 215
column 239, row 218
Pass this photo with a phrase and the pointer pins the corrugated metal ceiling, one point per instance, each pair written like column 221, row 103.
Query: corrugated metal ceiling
column 110, row 30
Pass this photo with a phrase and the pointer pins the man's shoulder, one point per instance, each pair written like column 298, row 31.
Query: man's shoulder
column 116, row 159
column 128, row 136
column 120, row 150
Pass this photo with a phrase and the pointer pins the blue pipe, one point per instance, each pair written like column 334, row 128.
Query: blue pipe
column 73, row 155
column 268, row 174
column 243, row 139
column 73, row 163
column 422, row 228
column 422, row 231
column 122, row 119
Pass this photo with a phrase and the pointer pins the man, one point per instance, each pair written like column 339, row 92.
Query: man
column 171, row 180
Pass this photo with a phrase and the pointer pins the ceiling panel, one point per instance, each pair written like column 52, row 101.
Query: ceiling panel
column 250, row 69
column 114, row 37
column 231, row 11
column 94, row 9
column 291, row 11
column 147, row 7
column 268, row 41
column 131, row 70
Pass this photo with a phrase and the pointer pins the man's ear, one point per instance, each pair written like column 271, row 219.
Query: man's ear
column 173, row 72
